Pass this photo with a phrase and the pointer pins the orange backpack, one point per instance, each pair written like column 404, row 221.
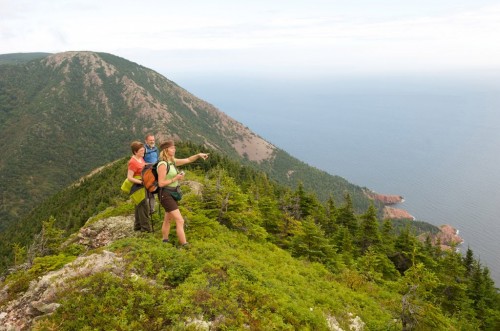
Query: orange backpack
column 150, row 177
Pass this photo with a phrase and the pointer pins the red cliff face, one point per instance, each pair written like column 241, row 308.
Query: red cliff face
column 390, row 199
column 395, row 213
column 386, row 199
column 447, row 238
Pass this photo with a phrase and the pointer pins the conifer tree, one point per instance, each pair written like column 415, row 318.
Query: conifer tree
column 311, row 243
column 468, row 262
column 369, row 234
column 19, row 254
column 290, row 204
column 429, row 247
column 452, row 290
column 330, row 226
column 215, row 194
column 345, row 245
column 406, row 249
column 52, row 236
column 418, row 287
column 485, row 297
column 346, row 216
column 375, row 266
column 308, row 204
column 387, row 236
column 272, row 217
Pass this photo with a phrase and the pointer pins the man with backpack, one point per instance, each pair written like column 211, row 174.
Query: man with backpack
column 151, row 154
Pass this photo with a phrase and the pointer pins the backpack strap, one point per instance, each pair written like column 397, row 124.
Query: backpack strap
column 168, row 165
column 135, row 186
column 150, row 150
column 160, row 189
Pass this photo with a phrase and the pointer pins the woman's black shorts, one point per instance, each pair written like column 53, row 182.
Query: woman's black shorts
column 168, row 203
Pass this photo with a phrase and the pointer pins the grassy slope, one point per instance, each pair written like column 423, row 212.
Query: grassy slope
column 225, row 279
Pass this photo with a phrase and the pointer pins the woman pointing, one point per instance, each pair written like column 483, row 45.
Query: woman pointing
column 168, row 180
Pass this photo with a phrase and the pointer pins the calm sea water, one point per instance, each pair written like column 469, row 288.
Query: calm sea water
column 434, row 140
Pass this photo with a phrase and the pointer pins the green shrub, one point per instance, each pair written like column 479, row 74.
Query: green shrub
column 19, row 281
column 106, row 301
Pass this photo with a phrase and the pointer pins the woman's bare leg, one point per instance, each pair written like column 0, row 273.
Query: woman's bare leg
column 165, row 228
column 179, row 225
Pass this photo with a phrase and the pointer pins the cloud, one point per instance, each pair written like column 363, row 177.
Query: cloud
column 277, row 36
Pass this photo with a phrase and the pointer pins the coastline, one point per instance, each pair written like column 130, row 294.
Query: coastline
column 389, row 200
column 447, row 238
column 386, row 199
column 396, row 213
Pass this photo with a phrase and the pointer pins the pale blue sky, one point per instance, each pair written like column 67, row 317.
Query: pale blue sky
column 283, row 38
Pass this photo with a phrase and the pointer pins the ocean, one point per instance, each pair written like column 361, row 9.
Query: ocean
column 434, row 139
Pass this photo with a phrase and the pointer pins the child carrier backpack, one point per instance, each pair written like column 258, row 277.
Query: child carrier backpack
column 150, row 177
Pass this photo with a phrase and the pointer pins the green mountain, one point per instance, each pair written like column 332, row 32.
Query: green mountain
column 263, row 256
column 20, row 58
column 64, row 114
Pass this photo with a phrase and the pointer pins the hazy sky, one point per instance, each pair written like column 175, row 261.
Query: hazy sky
column 278, row 37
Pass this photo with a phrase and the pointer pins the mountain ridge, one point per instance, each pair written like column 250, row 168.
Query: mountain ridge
column 67, row 113
column 19, row 58
column 148, row 107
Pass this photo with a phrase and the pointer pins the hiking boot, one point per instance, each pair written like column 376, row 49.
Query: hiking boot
column 185, row 246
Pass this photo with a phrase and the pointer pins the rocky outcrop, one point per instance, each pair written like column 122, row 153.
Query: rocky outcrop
column 390, row 199
column 102, row 232
column 447, row 238
column 386, row 199
column 38, row 300
column 395, row 213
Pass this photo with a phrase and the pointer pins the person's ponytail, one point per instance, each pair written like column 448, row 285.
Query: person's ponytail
column 163, row 155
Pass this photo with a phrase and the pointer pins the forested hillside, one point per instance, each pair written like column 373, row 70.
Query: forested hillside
column 20, row 58
column 62, row 115
column 263, row 256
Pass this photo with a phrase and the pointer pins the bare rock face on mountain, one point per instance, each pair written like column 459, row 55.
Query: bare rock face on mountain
column 390, row 199
column 157, row 101
column 39, row 298
column 447, row 238
column 386, row 199
column 396, row 213
column 101, row 233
